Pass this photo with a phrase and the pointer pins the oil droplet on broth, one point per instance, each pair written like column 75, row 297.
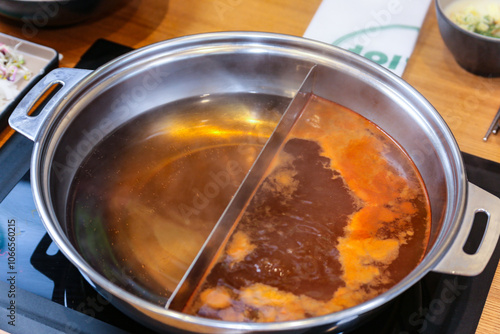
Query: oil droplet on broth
column 341, row 216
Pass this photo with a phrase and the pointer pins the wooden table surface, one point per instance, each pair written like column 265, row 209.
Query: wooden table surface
column 467, row 102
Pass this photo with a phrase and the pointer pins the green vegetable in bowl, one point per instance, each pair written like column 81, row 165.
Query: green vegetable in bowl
column 484, row 20
column 484, row 25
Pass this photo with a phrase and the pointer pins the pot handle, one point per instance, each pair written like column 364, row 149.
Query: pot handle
column 65, row 79
column 456, row 261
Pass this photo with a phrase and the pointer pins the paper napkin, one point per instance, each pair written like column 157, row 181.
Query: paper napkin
column 384, row 31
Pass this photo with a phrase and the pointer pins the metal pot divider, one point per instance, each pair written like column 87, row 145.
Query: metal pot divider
column 233, row 212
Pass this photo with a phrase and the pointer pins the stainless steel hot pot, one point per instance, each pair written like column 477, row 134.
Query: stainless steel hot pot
column 91, row 104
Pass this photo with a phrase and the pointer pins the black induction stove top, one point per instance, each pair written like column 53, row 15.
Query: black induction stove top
column 42, row 292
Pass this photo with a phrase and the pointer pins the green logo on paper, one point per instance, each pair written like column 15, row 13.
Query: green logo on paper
column 389, row 46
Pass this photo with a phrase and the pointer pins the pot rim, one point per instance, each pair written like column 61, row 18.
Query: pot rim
column 49, row 219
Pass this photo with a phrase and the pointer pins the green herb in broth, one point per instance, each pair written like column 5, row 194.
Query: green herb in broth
column 479, row 17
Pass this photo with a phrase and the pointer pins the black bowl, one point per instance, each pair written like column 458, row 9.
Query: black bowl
column 36, row 14
column 475, row 53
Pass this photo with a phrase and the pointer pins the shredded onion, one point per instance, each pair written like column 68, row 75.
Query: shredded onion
column 12, row 70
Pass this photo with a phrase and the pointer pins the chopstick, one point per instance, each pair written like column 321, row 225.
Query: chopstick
column 494, row 127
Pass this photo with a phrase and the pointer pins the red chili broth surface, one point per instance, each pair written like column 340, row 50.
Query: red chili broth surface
column 341, row 216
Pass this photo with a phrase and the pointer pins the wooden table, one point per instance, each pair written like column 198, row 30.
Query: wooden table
column 467, row 102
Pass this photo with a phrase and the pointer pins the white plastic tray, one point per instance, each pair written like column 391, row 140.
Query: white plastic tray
column 39, row 60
